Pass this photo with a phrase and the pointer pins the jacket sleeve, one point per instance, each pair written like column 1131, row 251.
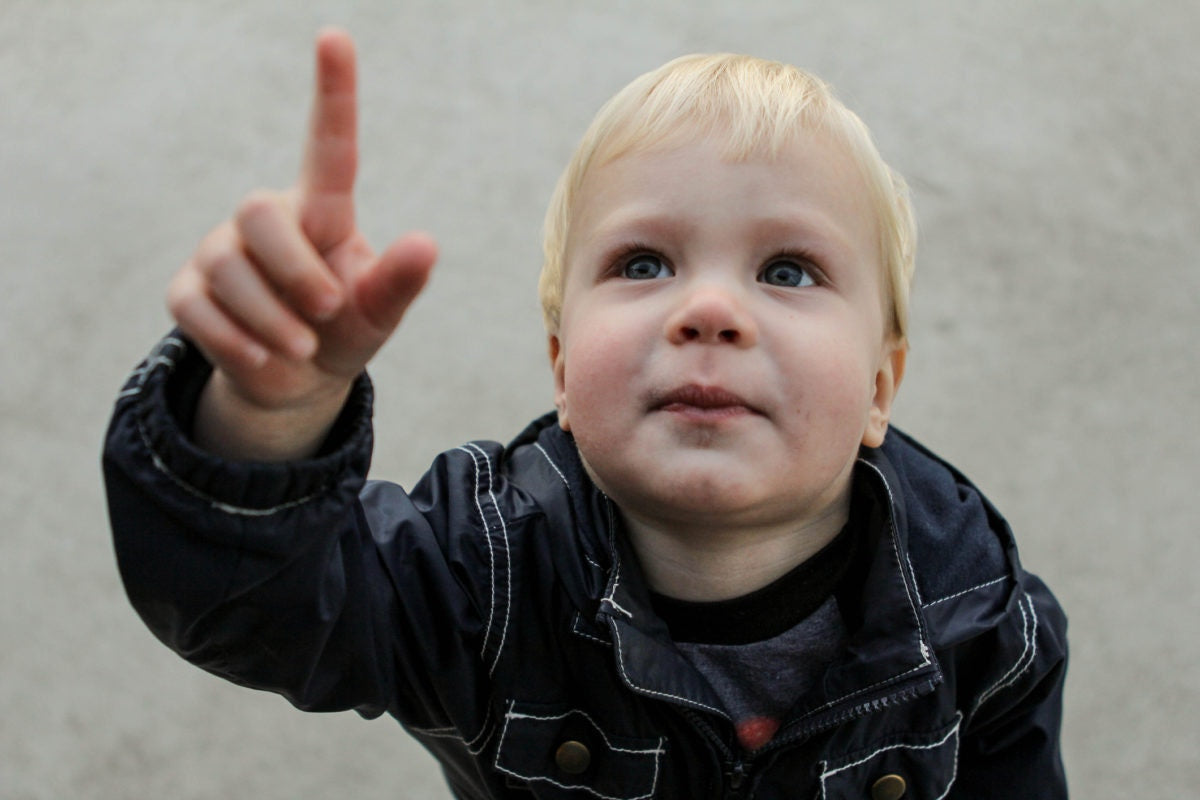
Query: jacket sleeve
column 272, row 575
column 1010, row 747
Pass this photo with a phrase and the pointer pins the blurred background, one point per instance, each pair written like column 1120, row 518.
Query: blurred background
column 1052, row 150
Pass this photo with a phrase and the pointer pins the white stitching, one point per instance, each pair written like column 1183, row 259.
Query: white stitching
column 896, row 551
column 616, row 571
column 507, row 557
column 157, row 359
column 616, row 576
column 922, row 646
column 659, row 751
column 578, row 631
column 512, row 714
column 685, row 700
column 562, row 477
column 453, row 733
column 953, row 772
column 487, row 536
column 1028, row 634
column 913, row 572
column 480, row 741
column 474, row 751
column 487, row 631
column 614, row 605
column 656, row 751
column 590, row 637
column 966, row 591
column 1029, row 626
column 567, row 484
column 932, row 746
column 212, row 501
column 952, row 733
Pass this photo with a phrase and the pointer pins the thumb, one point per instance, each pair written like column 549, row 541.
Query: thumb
column 384, row 291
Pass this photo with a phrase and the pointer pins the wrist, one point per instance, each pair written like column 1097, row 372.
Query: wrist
column 230, row 425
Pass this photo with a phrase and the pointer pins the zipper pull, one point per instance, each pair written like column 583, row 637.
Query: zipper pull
column 735, row 776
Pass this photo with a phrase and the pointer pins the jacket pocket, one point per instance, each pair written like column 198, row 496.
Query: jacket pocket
column 913, row 767
column 564, row 753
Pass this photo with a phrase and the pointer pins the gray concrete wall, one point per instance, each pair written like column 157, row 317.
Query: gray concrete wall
column 1052, row 148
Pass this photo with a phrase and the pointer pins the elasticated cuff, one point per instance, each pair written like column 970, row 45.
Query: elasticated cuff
column 166, row 389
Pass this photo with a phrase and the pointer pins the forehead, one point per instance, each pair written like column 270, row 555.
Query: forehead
column 810, row 182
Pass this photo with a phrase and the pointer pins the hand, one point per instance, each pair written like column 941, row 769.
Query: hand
column 286, row 299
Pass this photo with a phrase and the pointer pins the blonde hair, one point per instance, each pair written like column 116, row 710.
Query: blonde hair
column 758, row 106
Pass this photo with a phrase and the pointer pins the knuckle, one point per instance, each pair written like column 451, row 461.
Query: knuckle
column 181, row 295
column 297, row 283
column 185, row 310
column 255, row 206
column 220, row 267
column 217, row 246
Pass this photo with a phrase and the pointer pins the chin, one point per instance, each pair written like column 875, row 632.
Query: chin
column 697, row 499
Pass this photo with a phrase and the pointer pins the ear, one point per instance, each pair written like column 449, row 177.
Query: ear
column 887, row 383
column 558, row 366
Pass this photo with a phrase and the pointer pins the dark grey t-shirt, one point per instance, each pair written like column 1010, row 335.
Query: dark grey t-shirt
column 759, row 682
column 762, row 652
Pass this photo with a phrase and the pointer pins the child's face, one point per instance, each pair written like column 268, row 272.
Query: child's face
column 722, row 348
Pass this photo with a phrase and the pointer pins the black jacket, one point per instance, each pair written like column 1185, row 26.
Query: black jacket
column 498, row 613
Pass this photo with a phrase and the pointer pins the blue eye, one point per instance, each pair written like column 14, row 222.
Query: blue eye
column 645, row 267
column 786, row 273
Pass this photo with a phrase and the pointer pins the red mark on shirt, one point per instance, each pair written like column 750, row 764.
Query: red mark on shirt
column 755, row 732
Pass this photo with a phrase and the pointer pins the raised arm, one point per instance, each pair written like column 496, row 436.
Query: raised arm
column 287, row 299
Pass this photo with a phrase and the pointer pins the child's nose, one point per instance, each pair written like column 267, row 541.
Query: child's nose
column 712, row 314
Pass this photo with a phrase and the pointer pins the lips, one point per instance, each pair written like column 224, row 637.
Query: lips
column 703, row 400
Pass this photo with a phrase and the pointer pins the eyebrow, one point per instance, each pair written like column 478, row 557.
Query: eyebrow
column 807, row 227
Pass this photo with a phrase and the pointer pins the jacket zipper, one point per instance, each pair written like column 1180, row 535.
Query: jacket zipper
column 736, row 770
column 790, row 734
column 735, row 778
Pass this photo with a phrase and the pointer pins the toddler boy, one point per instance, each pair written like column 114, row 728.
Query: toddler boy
column 712, row 572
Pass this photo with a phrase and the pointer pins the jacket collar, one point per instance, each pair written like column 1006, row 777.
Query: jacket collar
column 888, row 654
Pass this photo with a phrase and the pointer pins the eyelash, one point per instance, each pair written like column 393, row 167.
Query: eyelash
column 622, row 257
column 801, row 259
column 627, row 253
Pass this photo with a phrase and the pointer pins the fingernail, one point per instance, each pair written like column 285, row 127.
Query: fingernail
column 327, row 306
column 258, row 355
column 303, row 345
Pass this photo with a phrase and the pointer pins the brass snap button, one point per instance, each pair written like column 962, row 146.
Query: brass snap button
column 889, row 787
column 573, row 757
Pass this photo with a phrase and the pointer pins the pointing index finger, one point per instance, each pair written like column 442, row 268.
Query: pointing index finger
column 331, row 152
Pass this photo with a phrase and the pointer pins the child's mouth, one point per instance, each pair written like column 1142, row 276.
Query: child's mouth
column 702, row 403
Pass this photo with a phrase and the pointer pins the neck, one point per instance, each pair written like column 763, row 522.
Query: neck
column 710, row 562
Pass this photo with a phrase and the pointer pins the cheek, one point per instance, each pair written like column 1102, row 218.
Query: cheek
column 831, row 385
column 602, row 354
column 595, row 383
column 595, row 371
